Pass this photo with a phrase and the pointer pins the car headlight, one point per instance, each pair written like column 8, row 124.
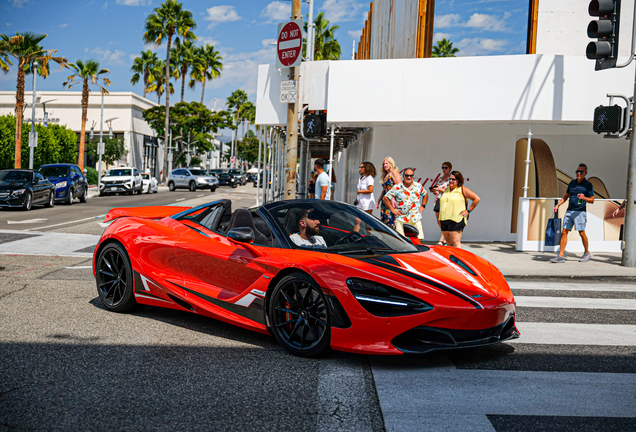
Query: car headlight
column 232, row 180
column 60, row 185
column 18, row 192
column 384, row 301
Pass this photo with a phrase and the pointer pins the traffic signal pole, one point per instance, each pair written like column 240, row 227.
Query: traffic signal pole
column 291, row 155
column 629, row 232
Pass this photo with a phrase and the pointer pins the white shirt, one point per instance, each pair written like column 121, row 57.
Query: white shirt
column 322, row 180
column 365, row 201
column 316, row 242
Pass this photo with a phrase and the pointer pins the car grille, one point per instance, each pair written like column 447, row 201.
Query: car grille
column 426, row 339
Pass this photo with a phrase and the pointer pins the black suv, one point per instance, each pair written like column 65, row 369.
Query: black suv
column 239, row 175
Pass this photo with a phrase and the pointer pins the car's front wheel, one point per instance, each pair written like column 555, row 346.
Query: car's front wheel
column 27, row 204
column 115, row 279
column 70, row 196
column 213, row 189
column 84, row 198
column 299, row 316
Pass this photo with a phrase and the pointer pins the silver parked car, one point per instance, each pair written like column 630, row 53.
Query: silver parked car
column 192, row 179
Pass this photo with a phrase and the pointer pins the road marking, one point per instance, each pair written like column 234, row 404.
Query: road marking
column 180, row 199
column 79, row 267
column 66, row 223
column 575, row 303
column 576, row 334
column 28, row 221
column 573, row 286
column 200, row 195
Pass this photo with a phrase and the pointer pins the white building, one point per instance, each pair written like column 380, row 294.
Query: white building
column 474, row 112
column 126, row 108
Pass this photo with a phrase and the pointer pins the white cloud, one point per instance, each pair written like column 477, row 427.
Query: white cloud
column 450, row 20
column 63, row 25
column 439, row 36
column 276, row 11
column 355, row 34
column 202, row 40
column 221, row 14
column 20, row 3
column 9, row 24
column 105, row 5
column 480, row 46
column 108, row 57
column 341, row 10
column 133, row 2
column 486, row 22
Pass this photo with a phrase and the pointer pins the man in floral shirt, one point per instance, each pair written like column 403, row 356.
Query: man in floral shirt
column 407, row 196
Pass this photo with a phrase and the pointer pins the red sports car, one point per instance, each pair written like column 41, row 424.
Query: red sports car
column 314, row 274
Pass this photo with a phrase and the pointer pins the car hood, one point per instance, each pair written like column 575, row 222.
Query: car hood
column 114, row 178
column 57, row 179
column 435, row 268
column 9, row 186
column 206, row 177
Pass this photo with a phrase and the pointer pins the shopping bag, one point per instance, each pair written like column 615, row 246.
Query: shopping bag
column 553, row 232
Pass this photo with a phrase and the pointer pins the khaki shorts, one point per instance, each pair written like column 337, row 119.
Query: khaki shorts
column 418, row 225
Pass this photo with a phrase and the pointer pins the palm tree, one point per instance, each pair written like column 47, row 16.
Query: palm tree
column 248, row 114
column 235, row 103
column 85, row 73
column 166, row 21
column 326, row 47
column 207, row 66
column 183, row 56
column 142, row 66
column 25, row 47
column 157, row 81
column 444, row 48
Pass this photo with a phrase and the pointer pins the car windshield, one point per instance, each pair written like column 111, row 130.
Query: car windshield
column 54, row 171
column 224, row 175
column 336, row 228
column 198, row 172
column 235, row 171
column 15, row 176
column 119, row 172
column 145, row 176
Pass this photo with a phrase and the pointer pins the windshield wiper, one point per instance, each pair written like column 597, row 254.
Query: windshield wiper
column 367, row 251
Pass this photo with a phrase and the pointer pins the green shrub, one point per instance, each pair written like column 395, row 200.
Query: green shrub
column 91, row 175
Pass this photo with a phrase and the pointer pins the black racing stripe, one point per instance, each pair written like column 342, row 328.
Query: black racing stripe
column 575, row 316
column 407, row 273
column 253, row 312
column 534, row 423
column 575, row 294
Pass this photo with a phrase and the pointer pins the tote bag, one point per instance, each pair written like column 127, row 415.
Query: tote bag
column 553, row 231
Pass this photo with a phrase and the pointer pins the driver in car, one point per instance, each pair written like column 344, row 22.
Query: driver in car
column 308, row 230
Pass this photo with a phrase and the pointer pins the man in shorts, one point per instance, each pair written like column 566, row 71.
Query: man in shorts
column 580, row 192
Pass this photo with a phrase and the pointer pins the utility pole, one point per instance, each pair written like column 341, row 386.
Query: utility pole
column 292, row 125
column 629, row 234
column 33, row 136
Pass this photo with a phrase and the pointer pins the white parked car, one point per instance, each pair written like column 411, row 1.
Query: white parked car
column 150, row 184
column 121, row 180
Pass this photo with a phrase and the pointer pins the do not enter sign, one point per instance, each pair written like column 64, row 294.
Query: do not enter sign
column 290, row 43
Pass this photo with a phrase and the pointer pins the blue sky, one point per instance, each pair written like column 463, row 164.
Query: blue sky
column 110, row 31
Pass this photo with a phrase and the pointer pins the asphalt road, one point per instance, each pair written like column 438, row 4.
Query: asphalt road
column 68, row 364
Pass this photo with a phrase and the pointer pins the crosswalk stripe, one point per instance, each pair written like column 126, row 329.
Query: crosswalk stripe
column 576, row 334
column 572, row 286
column 575, row 303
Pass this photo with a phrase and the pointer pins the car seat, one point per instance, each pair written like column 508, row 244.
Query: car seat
column 242, row 218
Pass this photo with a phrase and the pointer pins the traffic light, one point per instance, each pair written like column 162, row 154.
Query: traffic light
column 607, row 119
column 315, row 125
column 605, row 30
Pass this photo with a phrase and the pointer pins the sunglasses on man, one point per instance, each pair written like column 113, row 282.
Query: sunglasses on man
column 580, row 172
column 409, row 175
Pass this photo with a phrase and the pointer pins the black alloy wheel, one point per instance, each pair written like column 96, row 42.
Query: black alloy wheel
column 171, row 186
column 70, row 196
column 299, row 316
column 51, row 201
column 115, row 279
column 193, row 186
column 84, row 196
column 27, row 203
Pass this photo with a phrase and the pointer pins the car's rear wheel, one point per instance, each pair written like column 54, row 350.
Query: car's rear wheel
column 193, row 186
column 299, row 316
column 70, row 196
column 213, row 189
column 84, row 197
column 171, row 186
column 51, row 201
column 115, row 279
column 27, row 204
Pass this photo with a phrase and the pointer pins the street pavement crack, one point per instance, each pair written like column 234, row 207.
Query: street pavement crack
column 2, row 296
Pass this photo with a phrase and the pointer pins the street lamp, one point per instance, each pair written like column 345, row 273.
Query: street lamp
column 100, row 146
column 33, row 138
column 45, row 120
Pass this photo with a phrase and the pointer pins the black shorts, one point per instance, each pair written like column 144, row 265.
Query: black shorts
column 451, row 225
column 311, row 188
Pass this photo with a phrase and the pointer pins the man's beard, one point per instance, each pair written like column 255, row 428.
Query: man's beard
column 313, row 232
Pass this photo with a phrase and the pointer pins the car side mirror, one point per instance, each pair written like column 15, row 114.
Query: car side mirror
column 410, row 231
column 241, row 234
column 35, row 181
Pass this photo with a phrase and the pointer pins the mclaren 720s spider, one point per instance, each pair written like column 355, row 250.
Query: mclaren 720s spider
column 313, row 274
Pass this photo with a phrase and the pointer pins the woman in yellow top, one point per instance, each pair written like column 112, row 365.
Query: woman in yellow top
column 453, row 213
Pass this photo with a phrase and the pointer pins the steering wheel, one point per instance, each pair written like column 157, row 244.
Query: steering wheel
column 352, row 237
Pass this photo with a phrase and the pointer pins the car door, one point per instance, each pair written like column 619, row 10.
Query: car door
column 40, row 189
column 137, row 179
column 178, row 178
column 75, row 180
column 217, row 269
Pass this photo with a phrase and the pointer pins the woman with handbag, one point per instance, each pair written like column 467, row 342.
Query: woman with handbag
column 454, row 209
column 438, row 189
column 366, row 200
column 390, row 177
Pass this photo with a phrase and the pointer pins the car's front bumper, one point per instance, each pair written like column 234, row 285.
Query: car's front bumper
column 114, row 188
column 12, row 201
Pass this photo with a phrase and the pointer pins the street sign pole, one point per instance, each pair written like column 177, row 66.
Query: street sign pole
column 629, row 233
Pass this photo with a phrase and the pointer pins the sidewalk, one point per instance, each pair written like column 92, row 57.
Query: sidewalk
column 536, row 265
